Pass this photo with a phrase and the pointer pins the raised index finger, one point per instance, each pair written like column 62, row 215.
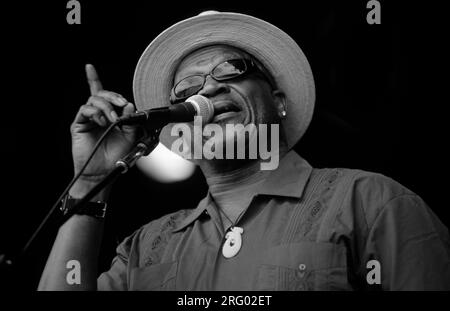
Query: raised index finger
column 94, row 83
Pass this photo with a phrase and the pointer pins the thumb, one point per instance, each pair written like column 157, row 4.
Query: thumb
column 127, row 110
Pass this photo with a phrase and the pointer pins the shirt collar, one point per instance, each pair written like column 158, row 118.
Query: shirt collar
column 196, row 213
column 288, row 180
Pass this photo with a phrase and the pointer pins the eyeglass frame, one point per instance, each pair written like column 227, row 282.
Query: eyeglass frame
column 250, row 67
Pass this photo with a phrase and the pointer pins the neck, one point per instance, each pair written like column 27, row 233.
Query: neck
column 223, row 179
column 233, row 183
column 234, row 189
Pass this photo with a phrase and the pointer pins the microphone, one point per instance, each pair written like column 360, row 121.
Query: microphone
column 196, row 105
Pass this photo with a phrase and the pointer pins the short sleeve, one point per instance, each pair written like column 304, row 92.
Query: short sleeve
column 411, row 245
column 116, row 278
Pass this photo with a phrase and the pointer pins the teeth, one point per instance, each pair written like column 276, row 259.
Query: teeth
column 224, row 115
column 222, row 107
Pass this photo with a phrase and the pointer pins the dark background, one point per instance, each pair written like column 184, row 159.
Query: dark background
column 380, row 104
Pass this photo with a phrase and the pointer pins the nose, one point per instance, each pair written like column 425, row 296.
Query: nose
column 213, row 88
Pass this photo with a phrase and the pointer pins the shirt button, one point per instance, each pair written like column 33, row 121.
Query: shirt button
column 302, row 270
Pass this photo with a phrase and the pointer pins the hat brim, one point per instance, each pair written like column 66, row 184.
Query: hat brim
column 277, row 51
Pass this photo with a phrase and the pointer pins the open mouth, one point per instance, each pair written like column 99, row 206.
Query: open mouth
column 225, row 109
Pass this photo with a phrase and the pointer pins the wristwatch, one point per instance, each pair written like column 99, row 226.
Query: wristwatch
column 94, row 209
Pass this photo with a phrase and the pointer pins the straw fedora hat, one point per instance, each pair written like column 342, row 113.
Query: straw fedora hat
column 277, row 51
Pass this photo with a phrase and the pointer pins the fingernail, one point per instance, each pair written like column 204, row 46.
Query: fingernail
column 102, row 120
column 114, row 116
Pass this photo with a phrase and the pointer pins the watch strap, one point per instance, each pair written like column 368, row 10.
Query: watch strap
column 95, row 209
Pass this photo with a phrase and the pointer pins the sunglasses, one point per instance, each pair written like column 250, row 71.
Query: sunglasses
column 228, row 70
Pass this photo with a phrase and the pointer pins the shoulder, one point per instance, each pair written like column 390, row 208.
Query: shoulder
column 374, row 186
column 164, row 224
column 153, row 232
column 354, row 181
column 361, row 194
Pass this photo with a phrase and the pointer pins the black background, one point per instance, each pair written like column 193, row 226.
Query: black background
column 380, row 105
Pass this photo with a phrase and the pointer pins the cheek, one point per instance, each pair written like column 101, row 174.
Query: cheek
column 252, row 96
column 262, row 106
column 258, row 101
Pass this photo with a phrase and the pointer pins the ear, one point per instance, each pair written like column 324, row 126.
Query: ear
column 280, row 103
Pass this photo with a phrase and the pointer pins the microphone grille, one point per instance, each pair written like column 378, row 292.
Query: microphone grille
column 203, row 106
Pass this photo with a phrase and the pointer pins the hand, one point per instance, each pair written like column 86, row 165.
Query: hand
column 90, row 123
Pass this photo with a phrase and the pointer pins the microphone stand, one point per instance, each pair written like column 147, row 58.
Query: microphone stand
column 142, row 148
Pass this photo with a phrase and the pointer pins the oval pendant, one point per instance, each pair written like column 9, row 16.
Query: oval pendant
column 233, row 242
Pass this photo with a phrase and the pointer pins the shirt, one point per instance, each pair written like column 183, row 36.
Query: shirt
column 305, row 229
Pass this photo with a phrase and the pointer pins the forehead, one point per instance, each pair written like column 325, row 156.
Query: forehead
column 203, row 58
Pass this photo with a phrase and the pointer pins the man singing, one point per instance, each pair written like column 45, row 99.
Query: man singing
column 292, row 227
